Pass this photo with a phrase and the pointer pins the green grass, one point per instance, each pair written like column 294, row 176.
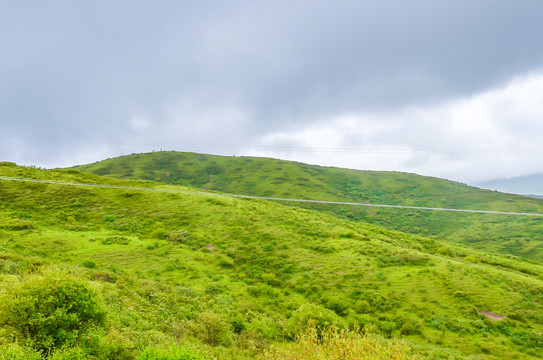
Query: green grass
column 519, row 236
column 233, row 278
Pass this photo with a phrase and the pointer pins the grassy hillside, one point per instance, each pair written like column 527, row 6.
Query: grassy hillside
column 197, row 276
column 521, row 236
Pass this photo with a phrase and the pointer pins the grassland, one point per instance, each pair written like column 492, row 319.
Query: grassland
column 520, row 236
column 188, row 276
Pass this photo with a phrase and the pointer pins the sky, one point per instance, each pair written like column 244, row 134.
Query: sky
column 452, row 89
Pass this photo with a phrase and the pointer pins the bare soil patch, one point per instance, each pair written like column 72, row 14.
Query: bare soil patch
column 490, row 315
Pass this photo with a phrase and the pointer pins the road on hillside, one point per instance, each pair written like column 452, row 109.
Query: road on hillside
column 136, row 188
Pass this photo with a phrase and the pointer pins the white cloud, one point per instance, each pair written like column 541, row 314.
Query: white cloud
column 492, row 134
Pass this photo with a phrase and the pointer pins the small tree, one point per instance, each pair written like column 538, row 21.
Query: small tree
column 50, row 310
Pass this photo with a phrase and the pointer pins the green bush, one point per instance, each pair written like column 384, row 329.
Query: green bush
column 386, row 327
column 411, row 327
column 68, row 353
column 238, row 325
column 50, row 310
column 17, row 352
column 109, row 218
column 88, row 264
column 212, row 329
column 446, row 250
column 362, row 307
column 375, row 301
column 172, row 353
column 9, row 266
column 318, row 316
column 527, row 338
column 159, row 232
column 324, row 247
column 118, row 240
column 113, row 345
column 337, row 305
column 18, row 225
column 179, row 236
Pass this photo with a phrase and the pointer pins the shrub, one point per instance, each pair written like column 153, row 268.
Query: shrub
column 179, row 236
column 337, row 305
column 324, row 247
column 411, row 327
column 446, row 251
column 238, row 325
column 362, row 307
column 68, row 353
column 8, row 266
column 212, row 329
column 159, row 232
column 109, row 218
column 50, row 310
column 386, row 327
column 226, row 263
column 18, row 225
column 376, row 301
column 88, row 264
column 17, row 352
column 527, row 338
column 119, row 240
column 461, row 295
column 172, row 353
column 113, row 345
column 320, row 317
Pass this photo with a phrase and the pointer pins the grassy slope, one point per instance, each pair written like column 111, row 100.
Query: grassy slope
column 521, row 236
column 269, row 261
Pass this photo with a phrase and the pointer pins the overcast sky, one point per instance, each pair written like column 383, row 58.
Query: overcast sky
column 452, row 89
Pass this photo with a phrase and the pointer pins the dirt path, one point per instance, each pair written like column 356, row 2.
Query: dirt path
column 490, row 315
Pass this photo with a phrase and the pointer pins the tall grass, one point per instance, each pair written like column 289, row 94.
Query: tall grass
column 330, row 344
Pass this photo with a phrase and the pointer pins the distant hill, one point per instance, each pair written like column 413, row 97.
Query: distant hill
column 522, row 236
column 524, row 185
column 178, row 272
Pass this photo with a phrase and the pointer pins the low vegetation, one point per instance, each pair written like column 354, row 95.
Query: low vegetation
column 168, row 275
column 499, row 234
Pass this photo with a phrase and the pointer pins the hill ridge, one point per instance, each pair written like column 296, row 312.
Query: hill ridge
column 279, row 178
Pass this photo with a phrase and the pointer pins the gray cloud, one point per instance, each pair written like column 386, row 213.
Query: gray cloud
column 487, row 135
column 135, row 75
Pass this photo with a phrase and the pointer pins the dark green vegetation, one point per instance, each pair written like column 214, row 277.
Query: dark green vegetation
column 520, row 236
column 164, row 275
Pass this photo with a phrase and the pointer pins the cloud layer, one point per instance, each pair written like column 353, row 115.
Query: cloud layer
column 488, row 135
column 84, row 80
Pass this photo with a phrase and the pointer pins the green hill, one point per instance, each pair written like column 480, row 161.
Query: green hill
column 521, row 236
column 180, row 275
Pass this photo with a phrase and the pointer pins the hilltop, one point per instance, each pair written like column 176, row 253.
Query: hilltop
column 521, row 236
column 232, row 278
